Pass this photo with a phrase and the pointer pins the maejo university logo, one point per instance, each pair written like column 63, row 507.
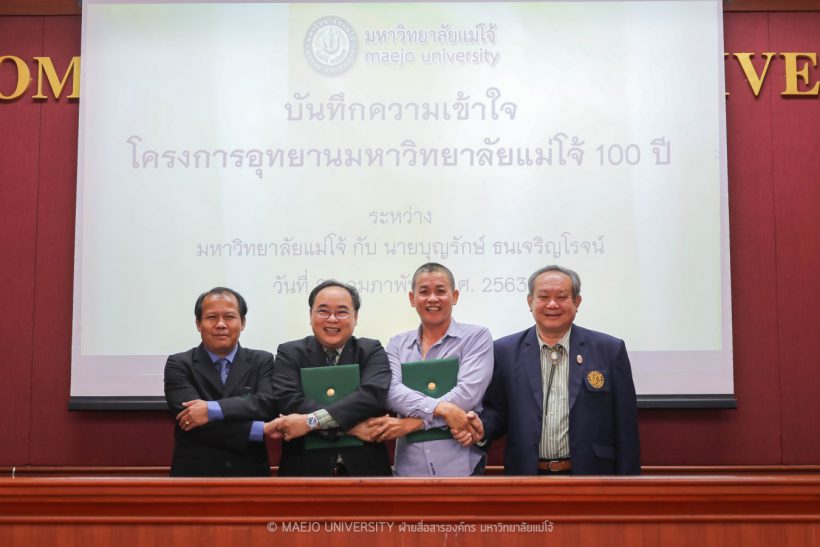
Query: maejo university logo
column 331, row 45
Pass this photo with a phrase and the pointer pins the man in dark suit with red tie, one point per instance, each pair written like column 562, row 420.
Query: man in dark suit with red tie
column 334, row 309
column 221, row 394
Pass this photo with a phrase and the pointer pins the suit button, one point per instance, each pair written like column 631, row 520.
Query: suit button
column 227, row 465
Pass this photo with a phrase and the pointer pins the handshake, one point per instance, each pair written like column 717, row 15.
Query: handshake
column 466, row 427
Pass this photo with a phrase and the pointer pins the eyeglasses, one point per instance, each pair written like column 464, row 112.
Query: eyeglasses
column 341, row 315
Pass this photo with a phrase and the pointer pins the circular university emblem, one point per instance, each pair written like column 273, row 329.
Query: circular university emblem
column 331, row 45
column 595, row 379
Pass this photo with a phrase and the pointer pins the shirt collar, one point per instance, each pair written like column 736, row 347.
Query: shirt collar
column 339, row 350
column 455, row 330
column 230, row 357
column 564, row 341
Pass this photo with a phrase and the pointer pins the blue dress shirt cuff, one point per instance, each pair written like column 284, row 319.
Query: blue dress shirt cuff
column 215, row 411
column 257, row 432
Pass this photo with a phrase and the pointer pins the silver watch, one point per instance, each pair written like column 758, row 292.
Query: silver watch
column 312, row 422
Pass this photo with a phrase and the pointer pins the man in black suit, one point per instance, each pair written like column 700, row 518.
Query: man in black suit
column 221, row 394
column 334, row 309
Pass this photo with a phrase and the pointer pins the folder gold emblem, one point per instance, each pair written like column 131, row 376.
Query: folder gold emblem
column 326, row 385
column 431, row 386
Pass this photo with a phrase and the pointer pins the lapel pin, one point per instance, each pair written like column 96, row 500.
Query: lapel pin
column 579, row 359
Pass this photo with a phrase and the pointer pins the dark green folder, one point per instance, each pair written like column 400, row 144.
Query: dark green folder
column 421, row 376
column 316, row 381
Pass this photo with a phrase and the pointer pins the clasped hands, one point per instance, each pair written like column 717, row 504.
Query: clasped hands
column 293, row 426
column 287, row 427
column 466, row 427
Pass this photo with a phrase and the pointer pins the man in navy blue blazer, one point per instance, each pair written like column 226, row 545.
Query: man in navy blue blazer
column 563, row 395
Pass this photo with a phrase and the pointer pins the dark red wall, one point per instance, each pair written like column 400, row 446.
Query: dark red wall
column 774, row 208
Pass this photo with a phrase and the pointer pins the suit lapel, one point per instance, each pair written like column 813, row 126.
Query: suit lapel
column 239, row 369
column 348, row 355
column 577, row 345
column 316, row 354
column 205, row 368
column 531, row 362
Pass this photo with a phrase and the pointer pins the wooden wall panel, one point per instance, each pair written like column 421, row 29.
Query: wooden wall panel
column 586, row 534
column 796, row 168
column 41, row 7
column 55, row 251
column 771, row 5
column 19, row 146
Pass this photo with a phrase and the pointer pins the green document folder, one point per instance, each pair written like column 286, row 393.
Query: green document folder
column 326, row 385
column 433, row 378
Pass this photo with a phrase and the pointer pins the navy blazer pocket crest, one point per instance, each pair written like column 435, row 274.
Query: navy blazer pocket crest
column 597, row 380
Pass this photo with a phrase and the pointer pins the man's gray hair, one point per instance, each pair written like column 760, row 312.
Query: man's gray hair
column 576, row 280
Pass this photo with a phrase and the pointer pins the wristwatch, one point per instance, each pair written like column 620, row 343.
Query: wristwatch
column 312, row 422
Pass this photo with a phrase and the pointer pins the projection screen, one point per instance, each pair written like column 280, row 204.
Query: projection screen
column 269, row 146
